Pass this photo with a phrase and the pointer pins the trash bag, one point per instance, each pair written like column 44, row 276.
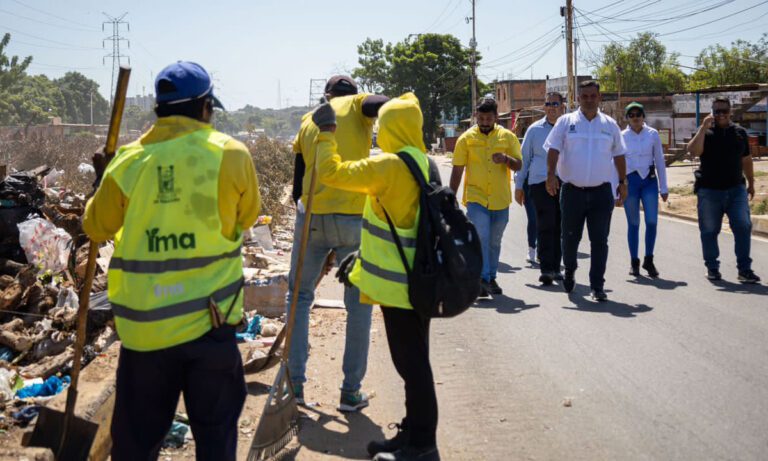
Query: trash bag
column 45, row 245
column 51, row 386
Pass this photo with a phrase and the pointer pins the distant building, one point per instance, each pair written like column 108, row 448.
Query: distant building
column 146, row 103
column 560, row 84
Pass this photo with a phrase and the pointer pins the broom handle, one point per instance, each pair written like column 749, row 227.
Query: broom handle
column 93, row 250
column 300, row 259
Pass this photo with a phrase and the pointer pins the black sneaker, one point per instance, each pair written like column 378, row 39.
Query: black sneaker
column 714, row 275
column 648, row 266
column 408, row 453
column 748, row 277
column 598, row 294
column 546, row 278
column 485, row 289
column 558, row 276
column 494, row 288
column 635, row 267
column 395, row 443
column 569, row 282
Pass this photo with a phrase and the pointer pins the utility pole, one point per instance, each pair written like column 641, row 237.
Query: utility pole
column 567, row 12
column 279, row 96
column 316, row 91
column 619, row 73
column 473, row 63
column 116, row 56
column 575, row 64
column 91, row 107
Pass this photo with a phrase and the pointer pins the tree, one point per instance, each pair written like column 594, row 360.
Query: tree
column 644, row 65
column 77, row 90
column 434, row 66
column 136, row 118
column 743, row 62
column 12, row 71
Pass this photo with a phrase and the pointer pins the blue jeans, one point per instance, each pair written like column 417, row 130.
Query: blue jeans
column 646, row 191
column 490, row 226
column 328, row 232
column 713, row 204
column 530, row 213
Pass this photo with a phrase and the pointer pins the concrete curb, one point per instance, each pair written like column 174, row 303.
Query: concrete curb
column 759, row 223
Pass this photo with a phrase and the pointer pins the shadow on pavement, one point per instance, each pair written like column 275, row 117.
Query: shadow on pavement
column 348, row 442
column 554, row 288
column 740, row 288
column 256, row 387
column 504, row 304
column 583, row 303
column 505, row 268
column 580, row 255
column 660, row 283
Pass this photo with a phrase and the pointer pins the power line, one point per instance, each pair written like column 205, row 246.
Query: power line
column 52, row 15
column 116, row 39
column 440, row 19
column 48, row 40
column 80, row 29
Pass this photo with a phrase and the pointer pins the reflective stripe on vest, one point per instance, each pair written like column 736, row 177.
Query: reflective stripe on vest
column 379, row 271
column 170, row 257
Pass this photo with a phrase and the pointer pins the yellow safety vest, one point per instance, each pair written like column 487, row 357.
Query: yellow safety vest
column 170, row 257
column 379, row 271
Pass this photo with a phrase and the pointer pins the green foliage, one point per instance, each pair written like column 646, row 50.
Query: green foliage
column 135, row 118
column 77, row 90
column 434, row 66
column 743, row 62
column 645, row 67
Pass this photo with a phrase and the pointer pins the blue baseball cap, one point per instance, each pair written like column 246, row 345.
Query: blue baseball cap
column 184, row 81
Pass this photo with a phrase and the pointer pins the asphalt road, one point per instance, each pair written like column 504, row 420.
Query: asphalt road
column 671, row 368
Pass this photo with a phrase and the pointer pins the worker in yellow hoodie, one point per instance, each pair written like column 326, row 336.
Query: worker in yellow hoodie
column 378, row 270
column 176, row 202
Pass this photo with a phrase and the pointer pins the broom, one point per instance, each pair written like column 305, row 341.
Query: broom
column 279, row 420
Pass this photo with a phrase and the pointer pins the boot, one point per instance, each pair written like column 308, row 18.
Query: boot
column 395, row 443
column 648, row 266
column 635, row 270
column 408, row 453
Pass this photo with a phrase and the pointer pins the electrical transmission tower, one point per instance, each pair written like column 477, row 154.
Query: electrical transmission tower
column 116, row 55
column 316, row 91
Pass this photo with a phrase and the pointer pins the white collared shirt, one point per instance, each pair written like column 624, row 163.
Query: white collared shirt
column 643, row 150
column 587, row 148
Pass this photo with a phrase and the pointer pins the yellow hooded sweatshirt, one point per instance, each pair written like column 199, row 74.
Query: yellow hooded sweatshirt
column 385, row 177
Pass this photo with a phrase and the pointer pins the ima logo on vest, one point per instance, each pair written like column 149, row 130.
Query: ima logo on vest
column 158, row 243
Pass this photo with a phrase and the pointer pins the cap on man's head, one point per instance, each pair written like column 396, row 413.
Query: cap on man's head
column 634, row 105
column 340, row 85
column 184, row 81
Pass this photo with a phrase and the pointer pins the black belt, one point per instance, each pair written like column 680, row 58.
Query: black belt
column 585, row 188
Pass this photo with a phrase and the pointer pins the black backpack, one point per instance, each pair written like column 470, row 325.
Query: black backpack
column 445, row 278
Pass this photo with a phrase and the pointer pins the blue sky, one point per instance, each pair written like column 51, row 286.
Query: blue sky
column 252, row 48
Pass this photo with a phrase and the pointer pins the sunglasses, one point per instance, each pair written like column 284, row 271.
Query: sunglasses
column 721, row 111
column 551, row 104
column 634, row 115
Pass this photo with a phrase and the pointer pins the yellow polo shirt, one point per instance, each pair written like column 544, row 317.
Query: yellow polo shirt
column 486, row 183
column 353, row 137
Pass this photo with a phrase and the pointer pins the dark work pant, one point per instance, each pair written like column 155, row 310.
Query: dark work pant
column 595, row 206
column 548, row 225
column 408, row 338
column 530, row 213
column 208, row 370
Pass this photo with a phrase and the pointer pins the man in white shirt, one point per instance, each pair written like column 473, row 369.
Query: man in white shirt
column 646, row 177
column 584, row 147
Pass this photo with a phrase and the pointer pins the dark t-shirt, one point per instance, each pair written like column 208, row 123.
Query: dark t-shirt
column 724, row 149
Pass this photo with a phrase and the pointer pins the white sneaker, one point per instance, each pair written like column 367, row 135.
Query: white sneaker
column 531, row 258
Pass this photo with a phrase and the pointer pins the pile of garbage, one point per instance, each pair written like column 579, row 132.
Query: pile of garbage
column 43, row 254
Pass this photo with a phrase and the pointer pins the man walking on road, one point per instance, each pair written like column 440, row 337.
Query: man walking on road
column 725, row 161
column 488, row 152
column 335, row 226
column 584, row 147
column 547, row 207
column 177, row 201
column 379, row 273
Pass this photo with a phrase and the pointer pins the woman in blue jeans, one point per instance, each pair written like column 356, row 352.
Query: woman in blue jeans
column 647, row 175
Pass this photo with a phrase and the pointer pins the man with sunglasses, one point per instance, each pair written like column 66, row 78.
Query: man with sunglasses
column 647, row 176
column 584, row 148
column 534, row 172
column 725, row 161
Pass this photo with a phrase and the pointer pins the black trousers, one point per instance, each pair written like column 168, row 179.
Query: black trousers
column 208, row 371
column 595, row 206
column 548, row 227
column 408, row 338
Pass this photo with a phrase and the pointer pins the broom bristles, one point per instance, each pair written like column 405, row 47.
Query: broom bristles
column 266, row 452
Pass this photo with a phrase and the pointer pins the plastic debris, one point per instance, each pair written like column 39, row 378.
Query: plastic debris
column 6, row 353
column 26, row 415
column 45, row 245
column 176, row 436
column 252, row 330
column 51, row 386
column 6, row 384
